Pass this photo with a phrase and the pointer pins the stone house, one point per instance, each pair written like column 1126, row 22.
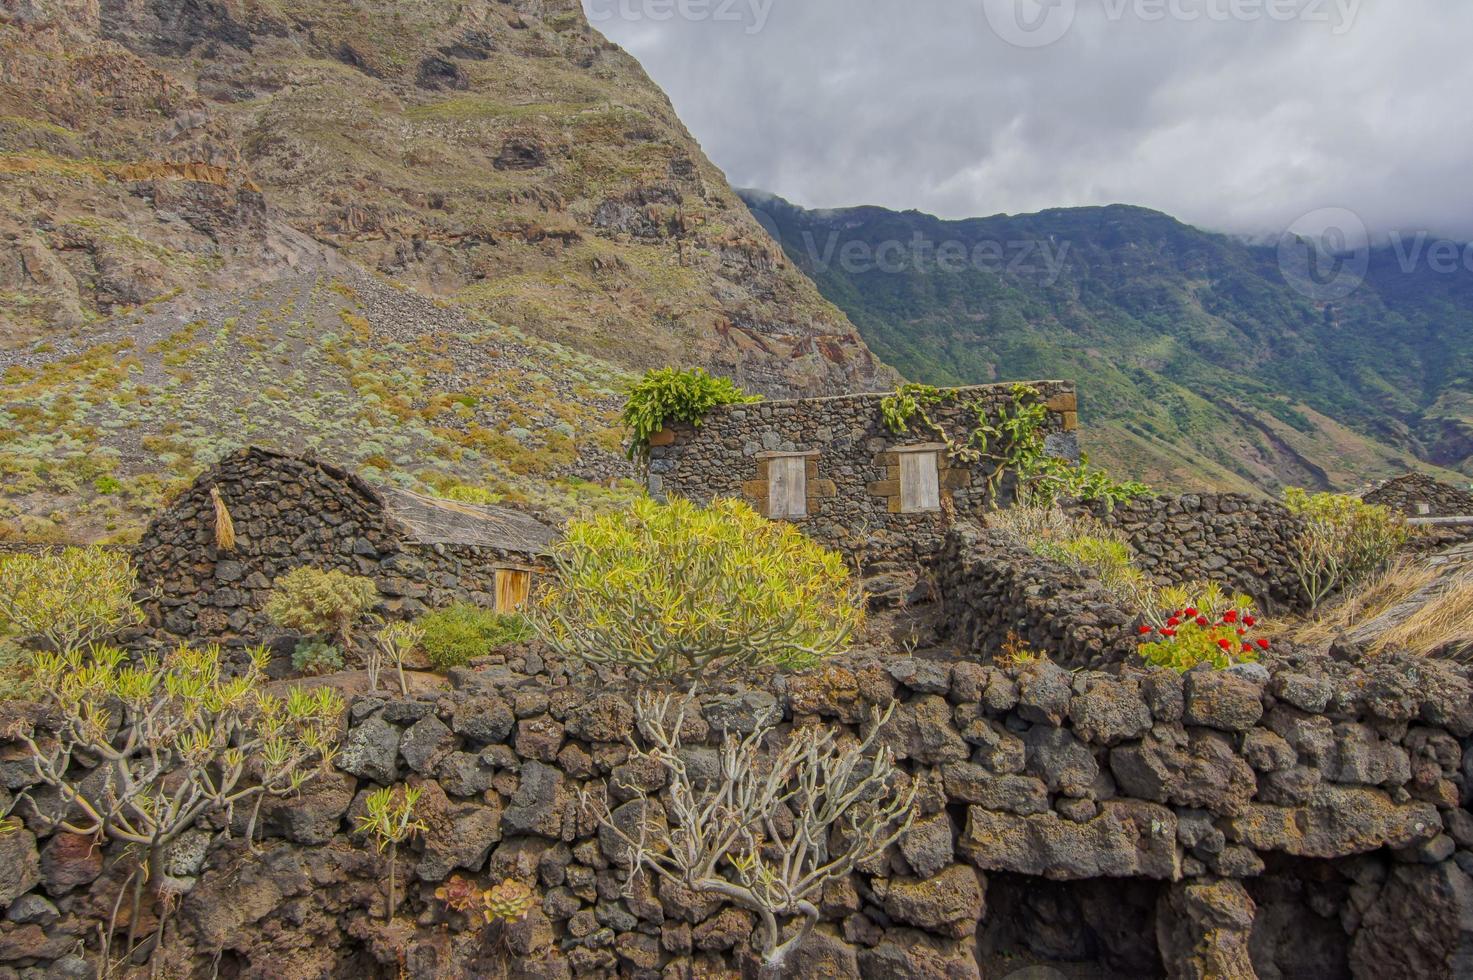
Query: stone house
column 289, row 511
column 1419, row 495
column 832, row 464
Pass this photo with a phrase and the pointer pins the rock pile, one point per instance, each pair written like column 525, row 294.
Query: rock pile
column 995, row 589
column 1418, row 495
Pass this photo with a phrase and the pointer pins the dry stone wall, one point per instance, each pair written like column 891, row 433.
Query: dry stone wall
column 1418, row 495
column 1305, row 820
column 995, row 589
column 1243, row 542
column 853, row 495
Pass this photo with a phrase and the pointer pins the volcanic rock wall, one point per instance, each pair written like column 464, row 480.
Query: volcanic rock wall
column 995, row 589
column 1308, row 821
column 1242, row 542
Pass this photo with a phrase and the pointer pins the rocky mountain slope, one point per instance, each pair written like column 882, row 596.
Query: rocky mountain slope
column 201, row 195
column 1197, row 363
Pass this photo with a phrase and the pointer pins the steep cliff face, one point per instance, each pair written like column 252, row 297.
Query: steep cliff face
column 430, row 238
column 502, row 156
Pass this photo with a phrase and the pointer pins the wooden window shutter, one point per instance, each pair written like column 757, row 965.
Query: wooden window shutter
column 787, row 487
column 920, row 483
column 513, row 585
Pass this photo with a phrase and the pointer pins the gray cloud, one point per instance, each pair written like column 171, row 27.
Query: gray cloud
column 1242, row 119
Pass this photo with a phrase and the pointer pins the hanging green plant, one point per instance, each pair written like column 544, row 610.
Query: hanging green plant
column 668, row 395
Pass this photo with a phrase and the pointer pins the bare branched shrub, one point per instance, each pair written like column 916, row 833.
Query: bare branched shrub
column 772, row 828
column 1344, row 542
column 165, row 743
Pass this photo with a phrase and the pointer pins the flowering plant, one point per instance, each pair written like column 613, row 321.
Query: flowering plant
column 1212, row 628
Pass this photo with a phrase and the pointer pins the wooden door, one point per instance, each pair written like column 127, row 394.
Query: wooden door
column 787, row 487
column 513, row 585
column 920, row 484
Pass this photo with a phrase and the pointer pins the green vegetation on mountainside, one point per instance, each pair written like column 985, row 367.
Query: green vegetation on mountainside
column 1197, row 363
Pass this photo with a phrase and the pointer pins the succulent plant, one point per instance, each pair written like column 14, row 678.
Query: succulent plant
column 509, row 901
column 459, row 894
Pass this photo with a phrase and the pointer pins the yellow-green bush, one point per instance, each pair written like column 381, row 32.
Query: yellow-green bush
column 70, row 598
column 1344, row 541
column 324, row 603
column 667, row 589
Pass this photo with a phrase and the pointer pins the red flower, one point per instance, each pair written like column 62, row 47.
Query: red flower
column 1225, row 644
column 1168, row 632
column 1247, row 648
column 1231, row 616
column 1201, row 620
column 1189, row 612
column 1262, row 644
column 1145, row 629
column 1173, row 621
column 1249, row 621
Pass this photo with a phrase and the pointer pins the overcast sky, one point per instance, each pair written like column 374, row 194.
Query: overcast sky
column 1236, row 115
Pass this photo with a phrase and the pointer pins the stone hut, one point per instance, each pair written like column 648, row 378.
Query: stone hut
column 833, row 465
column 1418, row 495
column 289, row 511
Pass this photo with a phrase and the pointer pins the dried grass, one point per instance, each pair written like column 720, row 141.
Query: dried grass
column 224, row 526
column 1034, row 524
column 1444, row 622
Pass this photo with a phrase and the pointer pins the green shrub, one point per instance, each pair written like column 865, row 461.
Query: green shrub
column 1345, row 540
column 107, row 485
column 455, row 635
column 669, row 395
column 321, row 603
column 316, row 656
column 467, row 494
column 1047, row 479
column 70, row 599
column 668, row 589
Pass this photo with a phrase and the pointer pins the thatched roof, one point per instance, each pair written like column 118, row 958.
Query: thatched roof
column 429, row 520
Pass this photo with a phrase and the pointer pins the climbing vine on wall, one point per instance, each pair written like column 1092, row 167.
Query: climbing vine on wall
column 1013, row 439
